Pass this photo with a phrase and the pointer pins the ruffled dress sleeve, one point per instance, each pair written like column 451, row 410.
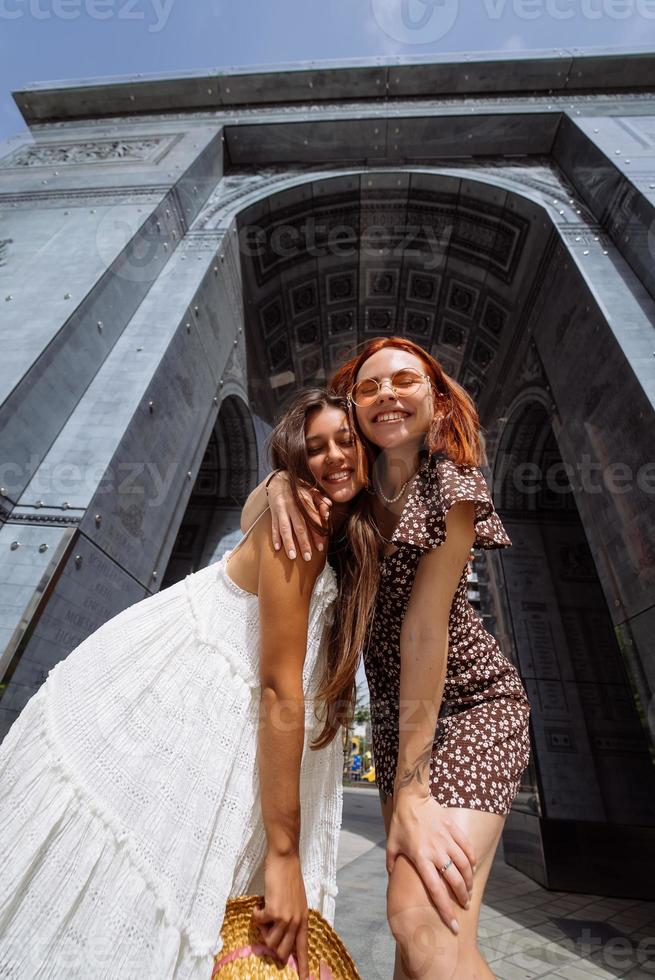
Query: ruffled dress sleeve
column 439, row 484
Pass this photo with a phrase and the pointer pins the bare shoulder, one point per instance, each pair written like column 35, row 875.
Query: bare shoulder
column 277, row 572
column 460, row 518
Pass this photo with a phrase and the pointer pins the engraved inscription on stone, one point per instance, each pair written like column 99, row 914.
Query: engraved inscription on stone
column 540, row 638
column 552, row 698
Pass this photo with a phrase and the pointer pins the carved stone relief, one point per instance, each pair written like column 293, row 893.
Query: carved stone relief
column 128, row 149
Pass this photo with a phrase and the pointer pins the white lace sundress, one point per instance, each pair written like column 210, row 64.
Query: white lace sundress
column 129, row 794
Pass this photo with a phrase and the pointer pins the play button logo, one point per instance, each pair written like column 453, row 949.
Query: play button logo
column 415, row 21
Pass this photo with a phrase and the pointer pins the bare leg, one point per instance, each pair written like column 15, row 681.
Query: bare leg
column 425, row 947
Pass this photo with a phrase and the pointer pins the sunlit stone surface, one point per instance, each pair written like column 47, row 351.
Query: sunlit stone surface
column 179, row 255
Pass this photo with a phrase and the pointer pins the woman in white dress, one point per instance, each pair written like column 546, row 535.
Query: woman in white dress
column 164, row 765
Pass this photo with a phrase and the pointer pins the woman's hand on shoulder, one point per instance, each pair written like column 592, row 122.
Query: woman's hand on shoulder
column 284, row 919
column 289, row 528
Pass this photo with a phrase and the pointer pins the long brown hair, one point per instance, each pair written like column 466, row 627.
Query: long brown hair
column 458, row 434
column 356, row 564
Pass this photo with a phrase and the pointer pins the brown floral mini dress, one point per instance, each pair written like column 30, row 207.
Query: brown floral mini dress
column 482, row 743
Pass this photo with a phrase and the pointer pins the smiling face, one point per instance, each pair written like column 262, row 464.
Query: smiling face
column 332, row 453
column 393, row 419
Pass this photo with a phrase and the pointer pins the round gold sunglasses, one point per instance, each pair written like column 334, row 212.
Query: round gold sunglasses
column 407, row 381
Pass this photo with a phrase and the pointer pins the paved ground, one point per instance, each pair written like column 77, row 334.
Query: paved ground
column 525, row 930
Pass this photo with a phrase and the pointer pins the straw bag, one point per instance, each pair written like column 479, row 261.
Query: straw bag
column 244, row 955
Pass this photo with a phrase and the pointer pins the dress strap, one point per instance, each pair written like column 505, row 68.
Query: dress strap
column 246, row 533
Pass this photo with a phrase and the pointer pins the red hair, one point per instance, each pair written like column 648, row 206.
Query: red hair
column 458, row 434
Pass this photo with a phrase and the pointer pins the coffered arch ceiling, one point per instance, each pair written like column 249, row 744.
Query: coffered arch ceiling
column 449, row 261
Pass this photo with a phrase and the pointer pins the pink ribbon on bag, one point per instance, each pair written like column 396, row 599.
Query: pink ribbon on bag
column 258, row 950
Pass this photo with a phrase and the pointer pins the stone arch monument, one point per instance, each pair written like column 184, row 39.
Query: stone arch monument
column 179, row 255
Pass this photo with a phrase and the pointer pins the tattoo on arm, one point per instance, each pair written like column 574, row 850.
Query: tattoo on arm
column 419, row 770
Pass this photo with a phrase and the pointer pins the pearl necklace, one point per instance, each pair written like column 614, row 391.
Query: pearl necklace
column 392, row 500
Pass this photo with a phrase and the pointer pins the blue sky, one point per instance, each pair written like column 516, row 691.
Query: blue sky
column 42, row 40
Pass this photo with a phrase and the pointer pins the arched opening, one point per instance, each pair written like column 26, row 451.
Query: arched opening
column 331, row 262
column 592, row 761
column 479, row 275
column 227, row 474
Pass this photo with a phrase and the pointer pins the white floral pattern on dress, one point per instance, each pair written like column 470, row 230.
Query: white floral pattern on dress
column 481, row 744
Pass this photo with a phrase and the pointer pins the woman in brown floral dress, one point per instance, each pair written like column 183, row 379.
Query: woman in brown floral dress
column 449, row 712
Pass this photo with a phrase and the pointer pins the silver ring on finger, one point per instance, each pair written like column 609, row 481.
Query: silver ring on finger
column 446, row 866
